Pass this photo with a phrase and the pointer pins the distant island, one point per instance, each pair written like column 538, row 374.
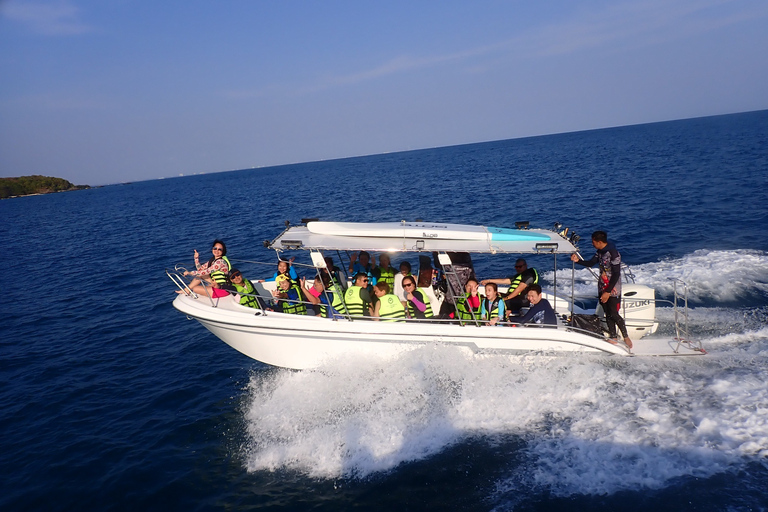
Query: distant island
column 29, row 185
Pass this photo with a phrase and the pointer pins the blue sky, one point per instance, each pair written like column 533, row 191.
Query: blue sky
column 109, row 91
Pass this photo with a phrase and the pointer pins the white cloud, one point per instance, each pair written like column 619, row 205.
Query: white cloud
column 638, row 23
column 56, row 18
column 608, row 26
column 630, row 23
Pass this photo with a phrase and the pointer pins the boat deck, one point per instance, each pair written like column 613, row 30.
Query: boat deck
column 653, row 346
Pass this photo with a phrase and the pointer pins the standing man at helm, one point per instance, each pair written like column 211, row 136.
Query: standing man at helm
column 608, row 283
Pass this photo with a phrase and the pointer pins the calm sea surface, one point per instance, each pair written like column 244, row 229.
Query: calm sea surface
column 112, row 400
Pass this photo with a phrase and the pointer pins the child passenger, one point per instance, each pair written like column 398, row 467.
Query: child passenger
column 284, row 268
column 493, row 306
column 288, row 297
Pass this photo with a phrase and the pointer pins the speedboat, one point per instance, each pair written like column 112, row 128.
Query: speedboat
column 304, row 341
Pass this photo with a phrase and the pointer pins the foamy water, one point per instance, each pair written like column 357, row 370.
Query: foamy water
column 710, row 276
column 590, row 425
column 585, row 421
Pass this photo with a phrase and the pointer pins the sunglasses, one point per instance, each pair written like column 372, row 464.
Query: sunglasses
column 407, row 285
column 235, row 275
column 217, row 249
column 519, row 266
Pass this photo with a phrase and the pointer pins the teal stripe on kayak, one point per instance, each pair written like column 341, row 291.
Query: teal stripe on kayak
column 516, row 235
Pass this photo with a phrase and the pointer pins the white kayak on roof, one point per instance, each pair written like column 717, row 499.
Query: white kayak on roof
column 426, row 230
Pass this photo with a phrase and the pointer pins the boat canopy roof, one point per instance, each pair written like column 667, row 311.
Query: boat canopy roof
column 419, row 237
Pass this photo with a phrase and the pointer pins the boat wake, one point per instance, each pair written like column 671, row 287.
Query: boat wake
column 736, row 277
column 588, row 425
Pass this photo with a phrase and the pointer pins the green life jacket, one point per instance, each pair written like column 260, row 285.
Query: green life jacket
column 356, row 306
column 292, row 307
column 336, row 300
column 219, row 276
column 323, row 310
column 491, row 310
column 336, row 303
column 519, row 277
column 463, row 308
column 387, row 275
column 247, row 288
column 412, row 311
column 391, row 309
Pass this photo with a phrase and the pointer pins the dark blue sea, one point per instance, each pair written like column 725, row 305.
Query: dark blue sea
column 110, row 399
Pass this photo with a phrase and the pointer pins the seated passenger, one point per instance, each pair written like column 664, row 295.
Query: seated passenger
column 312, row 293
column 213, row 290
column 336, row 293
column 245, row 289
column 541, row 311
column 338, row 277
column 468, row 307
column 319, row 295
column 214, row 271
column 364, row 266
column 288, row 297
column 493, row 306
column 418, row 302
column 388, row 308
column 284, row 268
column 405, row 270
column 357, row 297
column 525, row 277
column 385, row 272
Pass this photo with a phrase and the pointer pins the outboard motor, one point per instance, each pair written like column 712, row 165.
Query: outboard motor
column 638, row 307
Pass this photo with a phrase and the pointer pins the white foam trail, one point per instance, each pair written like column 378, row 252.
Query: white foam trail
column 351, row 419
column 647, row 424
column 709, row 324
column 720, row 276
column 591, row 425
column 711, row 276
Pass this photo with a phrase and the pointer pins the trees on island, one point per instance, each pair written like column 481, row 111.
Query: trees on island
column 26, row 185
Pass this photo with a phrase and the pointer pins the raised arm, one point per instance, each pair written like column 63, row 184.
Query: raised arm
column 505, row 280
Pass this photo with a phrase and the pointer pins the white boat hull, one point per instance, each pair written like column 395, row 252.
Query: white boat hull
column 300, row 342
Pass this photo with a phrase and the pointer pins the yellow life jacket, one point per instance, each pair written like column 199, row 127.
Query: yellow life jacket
column 336, row 300
column 491, row 309
column 519, row 277
column 356, row 306
column 387, row 275
column 415, row 313
column 294, row 307
column 463, row 308
column 391, row 309
column 247, row 288
column 218, row 275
